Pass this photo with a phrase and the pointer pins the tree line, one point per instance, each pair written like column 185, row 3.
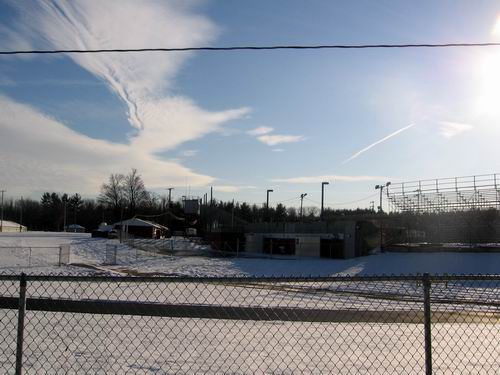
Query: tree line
column 124, row 196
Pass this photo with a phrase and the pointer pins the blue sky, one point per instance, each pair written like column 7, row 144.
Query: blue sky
column 247, row 121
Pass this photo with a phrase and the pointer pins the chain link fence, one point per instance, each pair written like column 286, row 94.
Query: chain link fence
column 171, row 246
column 342, row 325
column 34, row 256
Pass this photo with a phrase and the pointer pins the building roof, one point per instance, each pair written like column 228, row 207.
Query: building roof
column 136, row 222
column 74, row 226
column 7, row 223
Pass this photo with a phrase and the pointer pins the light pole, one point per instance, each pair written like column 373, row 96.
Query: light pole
column 301, row 202
column 381, row 188
column 323, row 197
column 267, row 202
column 1, row 214
column 169, row 196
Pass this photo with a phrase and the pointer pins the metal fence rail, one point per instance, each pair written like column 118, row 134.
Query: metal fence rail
column 373, row 325
column 446, row 194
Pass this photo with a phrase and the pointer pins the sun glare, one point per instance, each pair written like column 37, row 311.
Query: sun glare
column 489, row 95
column 488, row 101
column 496, row 28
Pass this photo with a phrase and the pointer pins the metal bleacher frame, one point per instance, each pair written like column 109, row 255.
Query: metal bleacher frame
column 445, row 194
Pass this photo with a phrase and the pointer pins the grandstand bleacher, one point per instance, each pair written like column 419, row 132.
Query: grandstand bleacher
column 445, row 194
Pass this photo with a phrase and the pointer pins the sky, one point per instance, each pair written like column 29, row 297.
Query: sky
column 244, row 122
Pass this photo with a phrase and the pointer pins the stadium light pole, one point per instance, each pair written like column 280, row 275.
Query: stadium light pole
column 301, row 202
column 267, row 202
column 381, row 187
column 169, row 196
column 323, row 198
column 1, row 214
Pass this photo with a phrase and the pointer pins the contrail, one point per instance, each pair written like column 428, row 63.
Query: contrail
column 377, row 142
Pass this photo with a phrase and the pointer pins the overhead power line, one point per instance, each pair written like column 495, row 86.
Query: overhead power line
column 342, row 203
column 312, row 200
column 252, row 48
column 351, row 202
column 286, row 200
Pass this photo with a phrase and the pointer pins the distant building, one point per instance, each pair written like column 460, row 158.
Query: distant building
column 140, row 228
column 10, row 226
column 74, row 228
column 342, row 239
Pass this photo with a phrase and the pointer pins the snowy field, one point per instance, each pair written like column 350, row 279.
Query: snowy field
column 92, row 251
column 466, row 341
column 158, row 346
column 119, row 344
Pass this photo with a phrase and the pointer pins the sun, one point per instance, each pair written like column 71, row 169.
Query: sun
column 488, row 99
column 496, row 28
column 489, row 81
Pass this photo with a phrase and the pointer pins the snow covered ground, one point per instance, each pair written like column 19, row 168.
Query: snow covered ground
column 74, row 342
column 122, row 345
column 92, row 251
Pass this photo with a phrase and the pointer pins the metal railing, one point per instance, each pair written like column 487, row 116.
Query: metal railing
column 383, row 324
column 446, row 194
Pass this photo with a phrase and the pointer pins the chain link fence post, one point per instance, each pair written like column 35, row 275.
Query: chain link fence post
column 20, row 325
column 426, row 282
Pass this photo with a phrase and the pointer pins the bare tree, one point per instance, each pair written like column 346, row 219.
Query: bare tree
column 112, row 193
column 134, row 190
column 311, row 212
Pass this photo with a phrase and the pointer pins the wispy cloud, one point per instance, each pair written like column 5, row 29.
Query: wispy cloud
column 37, row 152
column 263, row 134
column 363, row 150
column 450, row 129
column 142, row 81
column 260, row 130
column 189, row 153
column 276, row 139
column 329, row 178
column 232, row 188
column 278, row 150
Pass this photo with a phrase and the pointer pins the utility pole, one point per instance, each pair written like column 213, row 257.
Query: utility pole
column 232, row 215
column 267, row 203
column 65, row 205
column 323, row 198
column 21, row 215
column 1, row 214
column 301, row 202
column 121, row 224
